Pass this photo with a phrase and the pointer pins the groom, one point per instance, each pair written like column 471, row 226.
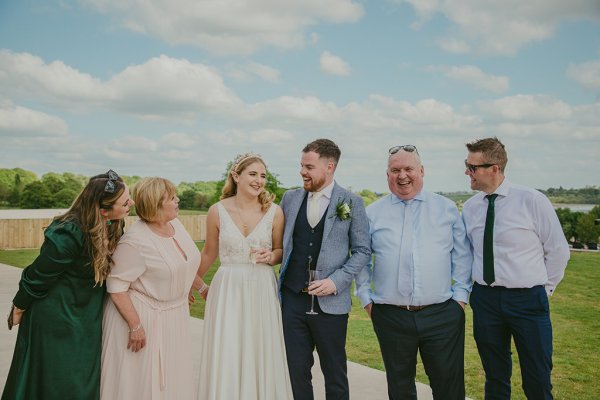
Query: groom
column 326, row 229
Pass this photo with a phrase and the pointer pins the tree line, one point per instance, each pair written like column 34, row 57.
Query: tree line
column 20, row 188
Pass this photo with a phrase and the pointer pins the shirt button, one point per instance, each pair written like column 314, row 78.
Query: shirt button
column 310, row 244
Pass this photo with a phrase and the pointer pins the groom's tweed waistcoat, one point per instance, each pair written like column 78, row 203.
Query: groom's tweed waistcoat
column 307, row 242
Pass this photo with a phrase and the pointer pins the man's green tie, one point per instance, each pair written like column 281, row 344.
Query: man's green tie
column 488, row 242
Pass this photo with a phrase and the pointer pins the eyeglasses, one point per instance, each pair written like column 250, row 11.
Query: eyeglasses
column 406, row 147
column 472, row 168
column 110, row 183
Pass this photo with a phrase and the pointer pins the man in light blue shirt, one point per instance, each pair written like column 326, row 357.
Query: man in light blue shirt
column 421, row 280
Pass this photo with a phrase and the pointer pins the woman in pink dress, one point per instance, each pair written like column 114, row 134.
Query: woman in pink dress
column 146, row 334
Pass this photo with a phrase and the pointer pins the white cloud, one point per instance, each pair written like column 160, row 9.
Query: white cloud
column 265, row 72
column 178, row 140
column 268, row 136
column 167, row 86
column 288, row 109
column 334, row 65
column 161, row 87
column 586, row 74
column 20, row 121
column 228, row 27
column 527, row 109
column 474, row 76
column 135, row 144
column 501, row 27
column 453, row 45
column 253, row 69
column 23, row 75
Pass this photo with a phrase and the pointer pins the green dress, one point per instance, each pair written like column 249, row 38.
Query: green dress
column 58, row 347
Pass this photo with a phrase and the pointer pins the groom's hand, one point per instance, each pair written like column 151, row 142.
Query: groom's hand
column 368, row 308
column 323, row 287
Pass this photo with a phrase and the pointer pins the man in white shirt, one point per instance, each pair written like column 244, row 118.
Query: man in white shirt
column 520, row 255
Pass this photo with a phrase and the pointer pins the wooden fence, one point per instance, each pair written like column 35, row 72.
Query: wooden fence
column 29, row 233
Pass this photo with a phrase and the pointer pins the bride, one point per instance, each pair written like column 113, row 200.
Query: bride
column 243, row 353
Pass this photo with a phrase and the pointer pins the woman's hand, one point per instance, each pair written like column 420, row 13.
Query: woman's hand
column 137, row 338
column 263, row 256
column 14, row 317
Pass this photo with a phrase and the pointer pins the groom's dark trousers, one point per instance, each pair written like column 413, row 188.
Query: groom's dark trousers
column 302, row 332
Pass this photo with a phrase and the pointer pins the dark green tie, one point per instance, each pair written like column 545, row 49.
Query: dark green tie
column 488, row 242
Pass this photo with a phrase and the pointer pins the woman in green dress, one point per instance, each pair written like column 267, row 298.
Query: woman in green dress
column 59, row 302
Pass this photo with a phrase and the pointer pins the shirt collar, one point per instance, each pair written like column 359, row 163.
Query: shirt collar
column 326, row 191
column 501, row 190
column 395, row 199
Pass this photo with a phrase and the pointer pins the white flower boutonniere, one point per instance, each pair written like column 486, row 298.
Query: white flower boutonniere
column 342, row 210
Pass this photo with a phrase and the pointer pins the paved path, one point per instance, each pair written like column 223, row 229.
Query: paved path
column 365, row 383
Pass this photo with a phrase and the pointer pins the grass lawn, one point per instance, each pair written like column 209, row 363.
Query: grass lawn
column 575, row 311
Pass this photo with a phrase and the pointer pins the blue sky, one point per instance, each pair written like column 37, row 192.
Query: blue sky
column 178, row 88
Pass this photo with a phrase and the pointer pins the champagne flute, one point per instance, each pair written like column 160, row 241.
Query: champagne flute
column 311, row 277
column 254, row 245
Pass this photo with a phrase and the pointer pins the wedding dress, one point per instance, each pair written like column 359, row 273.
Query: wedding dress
column 243, row 352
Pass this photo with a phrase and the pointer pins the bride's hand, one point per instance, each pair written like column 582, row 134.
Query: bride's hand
column 264, row 256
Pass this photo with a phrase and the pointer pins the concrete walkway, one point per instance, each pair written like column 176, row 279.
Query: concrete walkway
column 365, row 383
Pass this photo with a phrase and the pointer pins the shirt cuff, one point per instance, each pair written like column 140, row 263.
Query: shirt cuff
column 365, row 299
column 461, row 295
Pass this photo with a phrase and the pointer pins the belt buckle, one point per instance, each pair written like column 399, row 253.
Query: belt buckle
column 408, row 307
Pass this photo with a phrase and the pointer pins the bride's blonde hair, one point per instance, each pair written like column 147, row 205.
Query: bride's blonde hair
column 240, row 163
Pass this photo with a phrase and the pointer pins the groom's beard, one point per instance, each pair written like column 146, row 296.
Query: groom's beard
column 314, row 184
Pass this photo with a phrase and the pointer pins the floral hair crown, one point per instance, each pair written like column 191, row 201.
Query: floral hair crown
column 240, row 158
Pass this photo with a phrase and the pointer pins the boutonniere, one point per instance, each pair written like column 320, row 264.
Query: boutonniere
column 342, row 210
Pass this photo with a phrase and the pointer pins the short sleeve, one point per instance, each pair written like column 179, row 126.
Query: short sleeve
column 63, row 245
column 129, row 265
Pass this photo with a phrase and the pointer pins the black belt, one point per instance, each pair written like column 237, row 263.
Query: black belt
column 414, row 308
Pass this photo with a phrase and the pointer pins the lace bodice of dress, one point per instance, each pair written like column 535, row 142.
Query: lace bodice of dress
column 234, row 248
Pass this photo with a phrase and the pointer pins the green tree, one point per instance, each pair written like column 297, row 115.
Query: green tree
column 368, row 196
column 568, row 221
column 12, row 182
column 54, row 182
column 64, row 198
column 186, row 199
column 36, row 195
column 587, row 230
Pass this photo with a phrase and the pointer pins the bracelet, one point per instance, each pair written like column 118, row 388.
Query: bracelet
column 137, row 328
column 203, row 288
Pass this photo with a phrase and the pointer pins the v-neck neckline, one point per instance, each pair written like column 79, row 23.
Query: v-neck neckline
column 237, row 228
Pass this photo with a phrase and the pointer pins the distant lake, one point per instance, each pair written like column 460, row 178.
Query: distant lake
column 576, row 207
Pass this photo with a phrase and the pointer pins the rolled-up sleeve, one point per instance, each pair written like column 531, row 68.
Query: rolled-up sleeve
column 462, row 261
column 554, row 243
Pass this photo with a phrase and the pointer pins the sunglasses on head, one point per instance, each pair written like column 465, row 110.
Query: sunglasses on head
column 110, row 186
column 472, row 167
column 406, row 147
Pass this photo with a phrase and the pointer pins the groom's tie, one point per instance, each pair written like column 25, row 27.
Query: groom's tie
column 405, row 264
column 488, row 242
column 314, row 209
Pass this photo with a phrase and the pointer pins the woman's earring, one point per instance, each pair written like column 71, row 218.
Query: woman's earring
column 108, row 222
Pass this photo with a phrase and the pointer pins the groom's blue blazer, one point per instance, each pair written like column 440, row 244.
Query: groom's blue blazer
column 346, row 246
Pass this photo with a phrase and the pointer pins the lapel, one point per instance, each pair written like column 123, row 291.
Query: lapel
column 337, row 195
